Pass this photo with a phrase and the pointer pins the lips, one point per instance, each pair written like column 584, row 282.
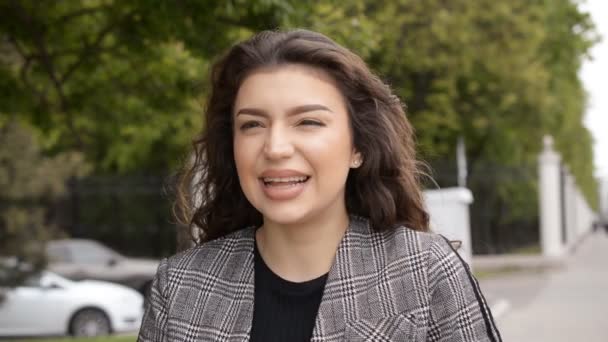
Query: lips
column 281, row 185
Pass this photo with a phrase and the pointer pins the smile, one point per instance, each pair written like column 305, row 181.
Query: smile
column 283, row 188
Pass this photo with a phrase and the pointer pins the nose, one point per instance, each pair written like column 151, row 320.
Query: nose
column 278, row 144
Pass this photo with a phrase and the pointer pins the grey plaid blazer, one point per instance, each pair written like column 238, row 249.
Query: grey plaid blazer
column 400, row 285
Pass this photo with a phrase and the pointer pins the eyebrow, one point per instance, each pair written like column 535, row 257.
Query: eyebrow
column 293, row 111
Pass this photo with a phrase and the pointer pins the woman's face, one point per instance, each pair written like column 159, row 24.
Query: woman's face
column 292, row 143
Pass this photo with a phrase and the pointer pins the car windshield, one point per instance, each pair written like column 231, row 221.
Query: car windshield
column 87, row 251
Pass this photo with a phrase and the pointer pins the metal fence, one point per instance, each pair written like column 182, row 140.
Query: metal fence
column 133, row 214
column 130, row 214
column 504, row 212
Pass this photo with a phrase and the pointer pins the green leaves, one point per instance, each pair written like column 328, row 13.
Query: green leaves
column 501, row 74
column 122, row 81
column 119, row 80
column 29, row 184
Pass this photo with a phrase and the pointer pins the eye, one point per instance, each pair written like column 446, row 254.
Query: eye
column 310, row 122
column 250, row 124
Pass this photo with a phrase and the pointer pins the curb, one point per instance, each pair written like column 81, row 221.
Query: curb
column 516, row 262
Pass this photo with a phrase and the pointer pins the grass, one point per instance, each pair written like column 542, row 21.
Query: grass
column 496, row 272
column 527, row 250
column 507, row 270
column 83, row 339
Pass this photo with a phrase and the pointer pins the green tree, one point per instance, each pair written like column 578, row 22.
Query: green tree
column 29, row 184
column 121, row 83
column 118, row 80
column 499, row 74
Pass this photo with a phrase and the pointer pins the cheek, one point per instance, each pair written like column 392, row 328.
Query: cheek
column 242, row 158
column 332, row 151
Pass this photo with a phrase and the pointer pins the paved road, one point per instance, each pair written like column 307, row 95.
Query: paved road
column 567, row 304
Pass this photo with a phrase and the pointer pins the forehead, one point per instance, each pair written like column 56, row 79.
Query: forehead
column 288, row 85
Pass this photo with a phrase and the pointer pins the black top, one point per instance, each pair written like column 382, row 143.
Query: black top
column 283, row 310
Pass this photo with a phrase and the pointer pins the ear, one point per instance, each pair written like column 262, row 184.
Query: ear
column 356, row 160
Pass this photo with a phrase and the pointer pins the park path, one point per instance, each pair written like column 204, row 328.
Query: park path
column 565, row 304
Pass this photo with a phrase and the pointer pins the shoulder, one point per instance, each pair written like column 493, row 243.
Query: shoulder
column 212, row 257
column 435, row 256
column 408, row 241
column 399, row 241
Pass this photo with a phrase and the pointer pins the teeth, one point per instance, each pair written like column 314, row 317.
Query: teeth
column 284, row 180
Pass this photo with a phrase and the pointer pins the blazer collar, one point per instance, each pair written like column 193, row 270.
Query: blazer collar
column 339, row 294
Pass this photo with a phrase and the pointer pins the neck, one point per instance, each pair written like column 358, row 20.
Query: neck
column 302, row 251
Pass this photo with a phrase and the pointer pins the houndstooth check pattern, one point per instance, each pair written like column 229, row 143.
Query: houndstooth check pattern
column 400, row 285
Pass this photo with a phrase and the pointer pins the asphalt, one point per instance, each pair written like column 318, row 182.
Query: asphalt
column 566, row 303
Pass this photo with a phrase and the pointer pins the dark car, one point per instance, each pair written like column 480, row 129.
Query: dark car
column 79, row 259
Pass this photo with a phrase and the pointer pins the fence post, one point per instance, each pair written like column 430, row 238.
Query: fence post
column 603, row 212
column 449, row 215
column 569, row 207
column 550, row 200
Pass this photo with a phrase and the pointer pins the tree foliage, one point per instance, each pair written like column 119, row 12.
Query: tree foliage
column 123, row 81
column 500, row 74
column 118, row 80
column 30, row 183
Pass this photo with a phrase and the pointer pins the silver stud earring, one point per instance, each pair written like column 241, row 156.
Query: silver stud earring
column 357, row 162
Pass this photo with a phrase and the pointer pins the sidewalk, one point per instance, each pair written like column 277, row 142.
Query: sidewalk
column 569, row 303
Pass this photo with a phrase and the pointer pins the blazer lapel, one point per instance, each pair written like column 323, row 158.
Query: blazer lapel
column 339, row 302
column 240, row 313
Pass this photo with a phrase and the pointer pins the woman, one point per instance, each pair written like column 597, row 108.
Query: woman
column 312, row 224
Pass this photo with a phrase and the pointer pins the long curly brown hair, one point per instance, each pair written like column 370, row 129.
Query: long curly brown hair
column 386, row 188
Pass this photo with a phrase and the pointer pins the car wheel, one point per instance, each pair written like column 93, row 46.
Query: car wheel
column 90, row 322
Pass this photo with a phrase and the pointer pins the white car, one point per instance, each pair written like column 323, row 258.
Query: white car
column 79, row 259
column 48, row 304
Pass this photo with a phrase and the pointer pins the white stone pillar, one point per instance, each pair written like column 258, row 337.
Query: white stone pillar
column 449, row 215
column 549, row 197
column 585, row 215
column 603, row 212
column 579, row 214
column 570, row 207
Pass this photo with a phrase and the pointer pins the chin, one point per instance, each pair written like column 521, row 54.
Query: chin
column 286, row 217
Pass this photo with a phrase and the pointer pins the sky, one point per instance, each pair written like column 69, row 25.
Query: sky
column 594, row 75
